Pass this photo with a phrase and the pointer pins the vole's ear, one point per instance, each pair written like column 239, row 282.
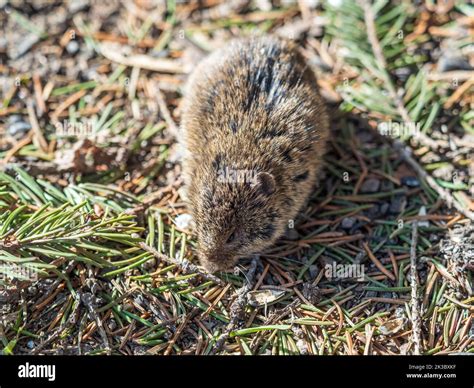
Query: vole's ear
column 265, row 183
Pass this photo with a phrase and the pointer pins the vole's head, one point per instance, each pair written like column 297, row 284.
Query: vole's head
column 236, row 215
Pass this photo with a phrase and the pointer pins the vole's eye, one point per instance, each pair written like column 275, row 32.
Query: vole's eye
column 231, row 237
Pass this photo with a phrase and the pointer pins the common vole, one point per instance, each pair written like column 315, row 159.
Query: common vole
column 254, row 130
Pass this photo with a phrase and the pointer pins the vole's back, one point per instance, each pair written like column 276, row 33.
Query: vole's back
column 254, row 88
column 254, row 106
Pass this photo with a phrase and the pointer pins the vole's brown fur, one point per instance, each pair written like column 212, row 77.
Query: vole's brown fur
column 252, row 108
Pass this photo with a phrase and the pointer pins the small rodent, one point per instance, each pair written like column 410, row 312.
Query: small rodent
column 254, row 131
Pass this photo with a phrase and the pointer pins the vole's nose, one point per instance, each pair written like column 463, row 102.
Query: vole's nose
column 215, row 263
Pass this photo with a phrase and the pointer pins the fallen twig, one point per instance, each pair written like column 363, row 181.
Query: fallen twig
column 184, row 264
column 88, row 300
column 369, row 18
column 165, row 113
column 415, row 305
column 38, row 135
column 142, row 61
column 237, row 309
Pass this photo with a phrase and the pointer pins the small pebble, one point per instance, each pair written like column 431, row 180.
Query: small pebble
column 72, row 47
column 348, row 222
column 410, row 181
column 18, row 129
column 313, row 271
column 398, row 204
column 403, row 73
column 184, row 221
column 450, row 63
column 112, row 324
column 371, row 185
